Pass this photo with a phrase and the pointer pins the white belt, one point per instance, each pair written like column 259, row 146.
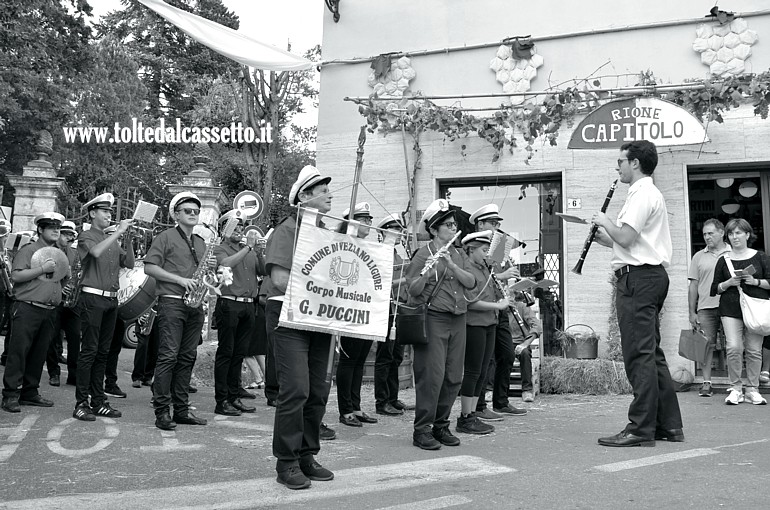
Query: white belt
column 170, row 296
column 239, row 299
column 105, row 293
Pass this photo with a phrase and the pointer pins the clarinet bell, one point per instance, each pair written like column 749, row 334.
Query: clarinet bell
column 392, row 335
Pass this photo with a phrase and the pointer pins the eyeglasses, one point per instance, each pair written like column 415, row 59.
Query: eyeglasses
column 448, row 224
column 187, row 210
column 620, row 162
column 365, row 221
column 494, row 223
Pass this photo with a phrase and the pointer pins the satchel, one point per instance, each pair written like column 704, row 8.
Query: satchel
column 756, row 311
column 693, row 345
column 412, row 321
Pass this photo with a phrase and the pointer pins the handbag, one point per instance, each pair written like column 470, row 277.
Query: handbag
column 411, row 321
column 756, row 311
column 693, row 345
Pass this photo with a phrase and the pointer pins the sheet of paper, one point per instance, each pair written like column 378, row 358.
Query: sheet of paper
column 145, row 211
column 571, row 218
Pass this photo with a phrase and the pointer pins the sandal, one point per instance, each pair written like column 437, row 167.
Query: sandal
column 764, row 377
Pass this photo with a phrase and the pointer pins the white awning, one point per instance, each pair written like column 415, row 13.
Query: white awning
column 228, row 42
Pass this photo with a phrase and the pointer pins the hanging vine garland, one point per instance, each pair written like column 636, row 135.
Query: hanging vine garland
column 532, row 122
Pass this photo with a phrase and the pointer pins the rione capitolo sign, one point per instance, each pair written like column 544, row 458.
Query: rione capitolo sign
column 339, row 284
column 641, row 118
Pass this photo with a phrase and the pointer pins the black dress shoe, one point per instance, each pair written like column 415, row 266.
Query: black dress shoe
column 37, row 401
column 625, row 438
column 11, row 405
column 444, row 436
column 389, row 410
column 164, row 422
column 271, row 402
column 239, row 405
column 350, row 421
column 244, row 393
column 226, row 409
column 426, row 441
column 189, row 419
column 402, row 406
column 192, row 389
column 365, row 418
column 54, row 380
column 670, row 435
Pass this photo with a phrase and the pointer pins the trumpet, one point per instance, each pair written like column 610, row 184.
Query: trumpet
column 433, row 259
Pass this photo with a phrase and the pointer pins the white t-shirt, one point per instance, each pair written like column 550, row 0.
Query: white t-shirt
column 645, row 212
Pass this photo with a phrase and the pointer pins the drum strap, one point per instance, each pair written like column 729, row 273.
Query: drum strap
column 189, row 244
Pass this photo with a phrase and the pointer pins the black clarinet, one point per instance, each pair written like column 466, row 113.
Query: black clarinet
column 507, row 296
column 592, row 234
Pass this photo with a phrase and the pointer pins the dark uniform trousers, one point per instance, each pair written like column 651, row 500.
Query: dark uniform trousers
column 640, row 296
column 146, row 354
column 301, row 359
column 179, row 329
column 504, row 357
column 97, row 317
column 271, row 377
column 479, row 346
column 389, row 356
column 438, row 370
column 235, row 325
column 116, row 345
column 350, row 373
column 68, row 321
column 33, row 330
column 525, row 364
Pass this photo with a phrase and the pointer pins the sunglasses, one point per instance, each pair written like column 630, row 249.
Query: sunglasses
column 187, row 210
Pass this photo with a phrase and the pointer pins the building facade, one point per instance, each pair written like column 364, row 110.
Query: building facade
column 601, row 47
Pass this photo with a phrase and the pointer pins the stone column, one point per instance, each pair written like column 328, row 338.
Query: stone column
column 199, row 181
column 38, row 188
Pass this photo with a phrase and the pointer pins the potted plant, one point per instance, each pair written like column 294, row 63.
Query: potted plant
column 578, row 341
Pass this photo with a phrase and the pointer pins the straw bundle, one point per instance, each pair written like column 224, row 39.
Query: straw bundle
column 593, row 377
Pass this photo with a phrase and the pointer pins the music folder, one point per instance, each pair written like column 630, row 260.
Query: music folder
column 571, row 218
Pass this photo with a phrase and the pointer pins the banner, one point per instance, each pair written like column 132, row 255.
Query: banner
column 228, row 42
column 339, row 284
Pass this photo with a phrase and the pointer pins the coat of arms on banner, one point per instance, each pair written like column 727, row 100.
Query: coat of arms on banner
column 338, row 283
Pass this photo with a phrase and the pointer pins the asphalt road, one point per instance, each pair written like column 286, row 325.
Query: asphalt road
column 546, row 459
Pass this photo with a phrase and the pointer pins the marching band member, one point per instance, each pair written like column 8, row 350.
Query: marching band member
column 300, row 356
column 38, row 293
column 481, row 323
column 350, row 368
column 172, row 260
column 522, row 342
column 235, row 316
column 65, row 319
column 488, row 218
column 101, row 257
column 438, row 366
column 390, row 353
column 111, row 388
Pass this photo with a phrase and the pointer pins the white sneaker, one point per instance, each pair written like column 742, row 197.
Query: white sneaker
column 734, row 398
column 753, row 397
column 527, row 396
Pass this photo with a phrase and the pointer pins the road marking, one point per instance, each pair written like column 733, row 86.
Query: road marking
column 54, row 436
column 170, row 444
column 265, row 492
column 16, row 435
column 669, row 457
column 431, row 504
column 223, row 421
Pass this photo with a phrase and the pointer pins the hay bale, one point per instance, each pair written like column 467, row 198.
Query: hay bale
column 588, row 376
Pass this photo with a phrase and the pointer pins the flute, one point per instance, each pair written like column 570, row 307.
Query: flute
column 594, row 228
column 433, row 259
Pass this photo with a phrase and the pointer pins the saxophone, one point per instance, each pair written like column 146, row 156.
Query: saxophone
column 71, row 291
column 203, row 274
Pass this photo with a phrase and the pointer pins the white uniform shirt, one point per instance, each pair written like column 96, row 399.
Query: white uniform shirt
column 645, row 212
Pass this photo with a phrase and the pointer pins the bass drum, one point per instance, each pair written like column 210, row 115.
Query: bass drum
column 137, row 292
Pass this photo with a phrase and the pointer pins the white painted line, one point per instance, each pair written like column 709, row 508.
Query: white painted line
column 224, row 422
column 266, row 492
column 670, row 457
column 16, row 435
column 54, row 436
column 170, row 444
column 431, row 504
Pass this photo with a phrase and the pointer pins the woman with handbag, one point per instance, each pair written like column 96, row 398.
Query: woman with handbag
column 481, row 325
column 731, row 278
column 353, row 351
column 438, row 275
